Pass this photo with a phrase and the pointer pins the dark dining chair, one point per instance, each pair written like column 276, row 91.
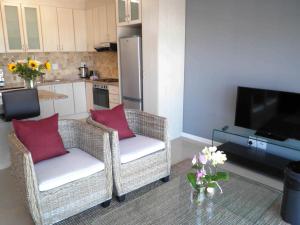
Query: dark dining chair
column 20, row 104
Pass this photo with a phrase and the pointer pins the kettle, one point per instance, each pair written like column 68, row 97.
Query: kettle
column 83, row 71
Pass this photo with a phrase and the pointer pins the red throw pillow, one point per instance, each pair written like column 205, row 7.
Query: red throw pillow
column 114, row 118
column 40, row 137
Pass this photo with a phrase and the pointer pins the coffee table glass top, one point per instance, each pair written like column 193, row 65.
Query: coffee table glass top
column 244, row 202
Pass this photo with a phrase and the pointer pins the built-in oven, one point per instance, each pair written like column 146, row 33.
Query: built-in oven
column 101, row 96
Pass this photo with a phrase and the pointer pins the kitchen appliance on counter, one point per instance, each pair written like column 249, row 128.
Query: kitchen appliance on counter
column 83, row 71
column 131, row 72
column 101, row 96
column 94, row 75
column 107, row 47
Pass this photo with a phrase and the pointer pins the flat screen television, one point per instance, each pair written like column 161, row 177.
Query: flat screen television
column 273, row 114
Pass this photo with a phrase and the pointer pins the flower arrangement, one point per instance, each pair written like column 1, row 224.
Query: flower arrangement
column 29, row 69
column 205, row 175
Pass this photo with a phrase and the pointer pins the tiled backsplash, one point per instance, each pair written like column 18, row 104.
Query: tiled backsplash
column 105, row 63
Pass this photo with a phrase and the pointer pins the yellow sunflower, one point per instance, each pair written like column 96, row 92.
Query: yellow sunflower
column 48, row 66
column 12, row 67
column 33, row 64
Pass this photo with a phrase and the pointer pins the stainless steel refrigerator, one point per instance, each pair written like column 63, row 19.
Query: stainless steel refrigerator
column 131, row 72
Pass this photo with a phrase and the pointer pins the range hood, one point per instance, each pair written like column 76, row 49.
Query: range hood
column 107, row 47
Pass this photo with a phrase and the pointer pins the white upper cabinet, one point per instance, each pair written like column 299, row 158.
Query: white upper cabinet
column 100, row 25
column 66, row 29
column 80, row 28
column 2, row 42
column 135, row 11
column 22, row 27
column 111, row 21
column 13, row 27
column 103, row 22
column 49, row 28
column 129, row 12
column 90, row 30
column 32, row 28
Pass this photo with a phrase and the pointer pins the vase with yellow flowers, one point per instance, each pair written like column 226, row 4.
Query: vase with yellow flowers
column 29, row 70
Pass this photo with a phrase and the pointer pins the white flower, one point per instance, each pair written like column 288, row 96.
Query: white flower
column 194, row 161
column 207, row 151
column 212, row 149
column 218, row 158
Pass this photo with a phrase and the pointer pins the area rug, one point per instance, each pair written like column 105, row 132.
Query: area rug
column 156, row 204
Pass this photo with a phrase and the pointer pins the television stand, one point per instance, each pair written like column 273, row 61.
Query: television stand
column 244, row 147
column 258, row 160
column 270, row 135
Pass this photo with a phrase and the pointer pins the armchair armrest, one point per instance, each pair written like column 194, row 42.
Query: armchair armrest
column 22, row 168
column 147, row 124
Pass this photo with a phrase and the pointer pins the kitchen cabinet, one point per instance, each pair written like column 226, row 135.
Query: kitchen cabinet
column 66, row 29
column 64, row 106
column 22, row 27
column 100, row 25
column 80, row 97
column 129, row 12
column 80, row 29
column 114, row 96
column 12, row 24
column 2, row 42
column 47, row 106
column 90, row 30
column 89, row 96
column 32, row 28
column 111, row 21
column 49, row 28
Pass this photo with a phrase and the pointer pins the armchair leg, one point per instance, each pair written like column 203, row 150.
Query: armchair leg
column 121, row 198
column 106, row 204
column 165, row 179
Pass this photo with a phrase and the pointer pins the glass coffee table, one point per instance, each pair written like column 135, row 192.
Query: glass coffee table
column 243, row 202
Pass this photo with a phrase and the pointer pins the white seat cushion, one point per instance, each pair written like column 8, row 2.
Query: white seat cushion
column 63, row 169
column 138, row 147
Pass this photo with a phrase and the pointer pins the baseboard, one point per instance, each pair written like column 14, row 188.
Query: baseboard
column 199, row 139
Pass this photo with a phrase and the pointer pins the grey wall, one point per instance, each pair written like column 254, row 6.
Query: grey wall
column 253, row 43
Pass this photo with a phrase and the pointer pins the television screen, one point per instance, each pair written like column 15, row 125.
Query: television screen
column 273, row 114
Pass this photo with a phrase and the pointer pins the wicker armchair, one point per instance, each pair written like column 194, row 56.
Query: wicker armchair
column 145, row 170
column 48, row 207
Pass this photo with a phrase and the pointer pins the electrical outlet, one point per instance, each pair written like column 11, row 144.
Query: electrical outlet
column 252, row 142
column 54, row 66
column 261, row 145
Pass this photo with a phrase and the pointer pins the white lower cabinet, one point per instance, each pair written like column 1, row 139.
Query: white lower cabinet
column 46, row 106
column 64, row 106
column 79, row 97
column 74, row 106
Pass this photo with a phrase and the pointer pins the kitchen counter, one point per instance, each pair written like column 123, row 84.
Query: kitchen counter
column 63, row 81
column 20, row 85
column 12, row 86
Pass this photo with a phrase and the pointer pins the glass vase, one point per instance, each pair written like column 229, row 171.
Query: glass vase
column 200, row 195
column 30, row 83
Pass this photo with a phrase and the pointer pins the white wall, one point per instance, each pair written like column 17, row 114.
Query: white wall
column 163, row 56
column 150, row 55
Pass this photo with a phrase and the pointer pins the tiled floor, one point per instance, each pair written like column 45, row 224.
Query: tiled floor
column 12, row 210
